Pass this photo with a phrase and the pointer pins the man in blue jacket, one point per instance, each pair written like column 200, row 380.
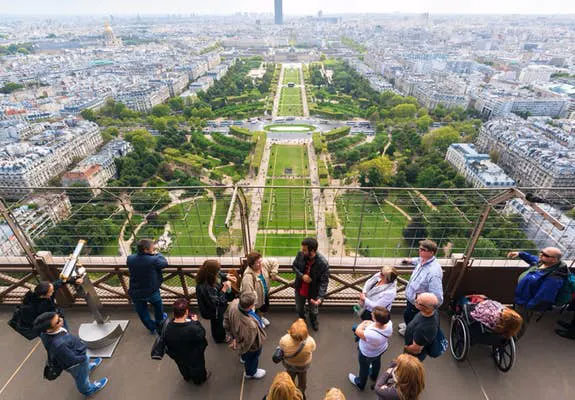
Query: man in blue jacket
column 145, row 280
column 68, row 352
column 538, row 287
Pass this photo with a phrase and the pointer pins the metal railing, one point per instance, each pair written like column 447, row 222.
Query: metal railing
column 358, row 229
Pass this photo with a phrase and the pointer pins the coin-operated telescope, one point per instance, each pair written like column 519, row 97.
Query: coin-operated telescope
column 103, row 335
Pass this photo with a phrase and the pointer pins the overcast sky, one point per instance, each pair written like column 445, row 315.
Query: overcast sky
column 291, row 7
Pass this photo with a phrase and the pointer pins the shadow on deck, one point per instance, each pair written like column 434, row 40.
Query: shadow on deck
column 542, row 370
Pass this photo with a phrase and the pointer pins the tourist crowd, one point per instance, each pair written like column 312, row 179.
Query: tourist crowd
column 237, row 304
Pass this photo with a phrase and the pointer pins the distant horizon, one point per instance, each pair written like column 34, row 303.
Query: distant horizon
column 294, row 8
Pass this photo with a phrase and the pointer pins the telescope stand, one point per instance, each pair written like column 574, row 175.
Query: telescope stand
column 103, row 335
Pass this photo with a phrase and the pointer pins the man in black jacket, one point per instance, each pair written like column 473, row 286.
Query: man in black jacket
column 312, row 277
column 145, row 280
column 68, row 352
column 185, row 340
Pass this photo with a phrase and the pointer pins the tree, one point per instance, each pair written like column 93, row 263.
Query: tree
column 423, row 123
column 10, row 87
column 440, row 138
column 88, row 114
column 404, row 111
column 141, row 139
column 161, row 110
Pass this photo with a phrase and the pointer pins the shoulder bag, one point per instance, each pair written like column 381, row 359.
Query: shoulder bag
column 159, row 346
column 279, row 355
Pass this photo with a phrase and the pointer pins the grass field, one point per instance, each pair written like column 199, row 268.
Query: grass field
column 382, row 226
column 283, row 208
column 290, row 102
column 279, row 245
column 283, row 157
column 291, row 75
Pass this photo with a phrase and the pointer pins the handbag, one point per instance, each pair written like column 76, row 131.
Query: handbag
column 279, row 355
column 159, row 346
column 51, row 369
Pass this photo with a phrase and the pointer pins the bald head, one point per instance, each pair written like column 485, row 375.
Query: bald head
column 550, row 255
column 427, row 302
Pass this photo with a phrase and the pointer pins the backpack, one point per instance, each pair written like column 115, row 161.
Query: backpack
column 566, row 294
column 438, row 346
column 19, row 324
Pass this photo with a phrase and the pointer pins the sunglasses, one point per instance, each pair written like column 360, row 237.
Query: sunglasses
column 546, row 255
column 422, row 249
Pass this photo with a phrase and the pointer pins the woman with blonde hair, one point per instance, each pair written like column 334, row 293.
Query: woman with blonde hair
column 403, row 380
column 334, row 394
column 283, row 388
column 297, row 346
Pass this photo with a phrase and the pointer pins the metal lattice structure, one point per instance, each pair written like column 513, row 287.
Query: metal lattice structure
column 358, row 229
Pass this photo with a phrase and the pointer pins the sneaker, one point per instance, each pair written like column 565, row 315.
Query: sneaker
column 95, row 363
column 402, row 326
column 99, row 385
column 260, row 373
column 242, row 360
column 351, row 378
column 566, row 334
column 265, row 321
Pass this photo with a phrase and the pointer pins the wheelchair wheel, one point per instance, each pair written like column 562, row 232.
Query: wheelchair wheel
column 504, row 355
column 459, row 338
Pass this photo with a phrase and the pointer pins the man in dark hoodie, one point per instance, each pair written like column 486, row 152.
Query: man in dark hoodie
column 145, row 279
column 68, row 352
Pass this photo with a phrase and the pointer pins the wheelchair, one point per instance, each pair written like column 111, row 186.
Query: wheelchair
column 466, row 332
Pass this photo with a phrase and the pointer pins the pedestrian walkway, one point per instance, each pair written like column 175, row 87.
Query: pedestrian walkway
column 542, row 371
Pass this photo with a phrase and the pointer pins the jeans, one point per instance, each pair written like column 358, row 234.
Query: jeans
column 81, row 374
column 251, row 359
column 217, row 328
column 141, row 306
column 364, row 369
column 300, row 306
column 409, row 313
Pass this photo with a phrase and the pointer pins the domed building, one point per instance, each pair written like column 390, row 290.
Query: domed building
column 110, row 39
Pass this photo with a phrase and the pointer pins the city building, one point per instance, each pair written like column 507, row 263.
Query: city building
column 35, row 161
column 95, row 171
column 533, row 155
column 41, row 212
column 536, row 73
column 110, row 39
column 278, row 12
column 477, row 168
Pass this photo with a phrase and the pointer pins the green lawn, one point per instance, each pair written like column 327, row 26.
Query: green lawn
column 279, row 245
column 284, row 157
column 189, row 225
column 290, row 102
column 291, row 75
column 284, row 208
column 381, row 230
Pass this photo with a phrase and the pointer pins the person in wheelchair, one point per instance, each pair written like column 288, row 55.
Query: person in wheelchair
column 491, row 314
